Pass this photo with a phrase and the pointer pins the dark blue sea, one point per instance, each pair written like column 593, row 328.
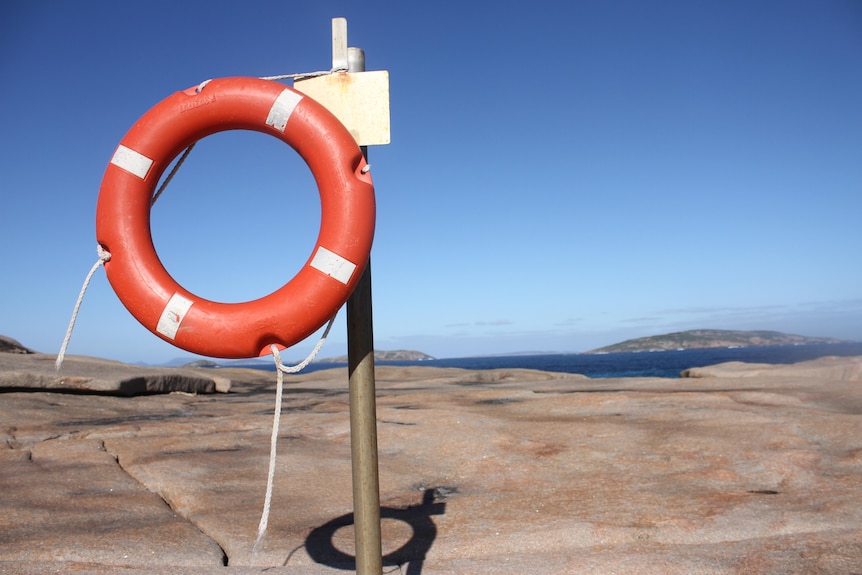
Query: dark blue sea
column 631, row 364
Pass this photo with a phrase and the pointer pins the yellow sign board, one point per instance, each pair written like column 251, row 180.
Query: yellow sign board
column 360, row 100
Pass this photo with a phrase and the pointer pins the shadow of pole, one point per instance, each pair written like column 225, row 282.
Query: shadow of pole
column 320, row 546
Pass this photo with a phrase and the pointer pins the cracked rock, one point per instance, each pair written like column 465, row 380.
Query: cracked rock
column 71, row 502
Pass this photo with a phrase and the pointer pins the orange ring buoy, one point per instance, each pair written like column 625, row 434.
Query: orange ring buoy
column 302, row 305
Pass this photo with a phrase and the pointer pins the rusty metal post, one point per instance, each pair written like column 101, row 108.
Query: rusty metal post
column 363, row 408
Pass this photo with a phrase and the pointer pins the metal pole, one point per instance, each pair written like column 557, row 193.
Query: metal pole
column 363, row 408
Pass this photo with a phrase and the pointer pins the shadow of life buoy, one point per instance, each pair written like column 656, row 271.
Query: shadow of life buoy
column 321, row 548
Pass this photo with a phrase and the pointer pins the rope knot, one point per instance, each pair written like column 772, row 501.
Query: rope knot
column 104, row 255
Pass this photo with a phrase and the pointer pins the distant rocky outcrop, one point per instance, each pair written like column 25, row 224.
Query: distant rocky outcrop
column 9, row 345
column 201, row 363
column 383, row 355
column 710, row 338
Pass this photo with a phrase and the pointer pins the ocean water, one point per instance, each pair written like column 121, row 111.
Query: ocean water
column 631, row 364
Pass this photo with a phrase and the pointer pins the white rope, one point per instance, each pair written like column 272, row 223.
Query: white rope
column 104, row 256
column 280, row 369
column 300, row 76
column 172, row 174
column 303, row 76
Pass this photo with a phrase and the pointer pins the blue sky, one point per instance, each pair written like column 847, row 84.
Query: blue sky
column 562, row 175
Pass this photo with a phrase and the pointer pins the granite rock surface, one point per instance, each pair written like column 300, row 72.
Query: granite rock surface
column 485, row 472
column 29, row 370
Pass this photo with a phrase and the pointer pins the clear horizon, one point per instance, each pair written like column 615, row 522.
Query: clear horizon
column 183, row 357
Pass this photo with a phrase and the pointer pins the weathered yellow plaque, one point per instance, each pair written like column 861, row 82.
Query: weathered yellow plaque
column 360, row 100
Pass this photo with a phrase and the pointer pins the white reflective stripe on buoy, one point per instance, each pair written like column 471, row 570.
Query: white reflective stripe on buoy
column 133, row 162
column 333, row 265
column 173, row 315
column 282, row 108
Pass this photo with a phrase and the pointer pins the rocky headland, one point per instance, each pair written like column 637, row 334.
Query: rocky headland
column 385, row 355
column 735, row 469
column 710, row 338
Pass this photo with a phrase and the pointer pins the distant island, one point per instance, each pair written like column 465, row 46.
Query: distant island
column 383, row 355
column 710, row 338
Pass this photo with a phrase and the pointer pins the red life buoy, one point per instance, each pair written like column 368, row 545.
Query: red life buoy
column 303, row 304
